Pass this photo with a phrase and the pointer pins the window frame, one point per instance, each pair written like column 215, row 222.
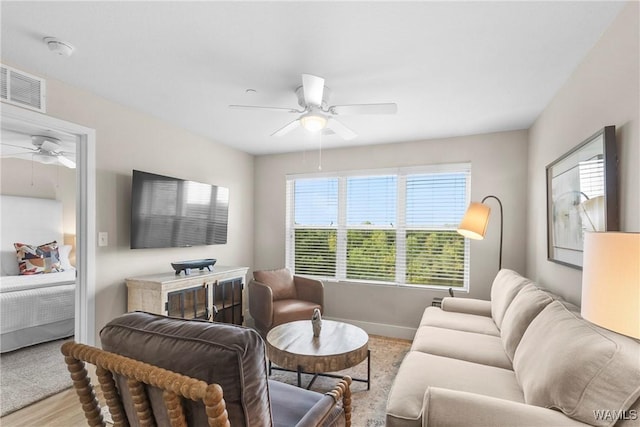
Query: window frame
column 401, row 227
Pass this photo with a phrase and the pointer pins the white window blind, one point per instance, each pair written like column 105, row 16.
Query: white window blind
column 396, row 227
column 371, row 221
column 314, row 231
column 435, row 253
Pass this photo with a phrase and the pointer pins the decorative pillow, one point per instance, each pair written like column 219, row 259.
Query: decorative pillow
column 505, row 287
column 38, row 259
column 65, row 251
column 567, row 363
column 525, row 307
column 280, row 282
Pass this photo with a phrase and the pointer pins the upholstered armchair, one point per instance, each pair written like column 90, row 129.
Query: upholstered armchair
column 277, row 297
column 157, row 370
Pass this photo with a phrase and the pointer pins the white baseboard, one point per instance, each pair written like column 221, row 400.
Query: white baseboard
column 371, row 328
column 385, row 330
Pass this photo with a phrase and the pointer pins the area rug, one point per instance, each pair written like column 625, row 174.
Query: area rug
column 368, row 406
column 31, row 374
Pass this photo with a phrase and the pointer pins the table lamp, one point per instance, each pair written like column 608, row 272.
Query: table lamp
column 611, row 281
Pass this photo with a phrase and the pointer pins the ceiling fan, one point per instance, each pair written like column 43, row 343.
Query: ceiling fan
column 46, row 149
column 316, row 114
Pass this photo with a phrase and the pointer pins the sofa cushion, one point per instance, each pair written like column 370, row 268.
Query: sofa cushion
column 231, row 356
column 280, row 281
column 567, row 363
column 525, row 306
column 420, row 371
column 505, row 287
column 469, row 346
column 434, row 316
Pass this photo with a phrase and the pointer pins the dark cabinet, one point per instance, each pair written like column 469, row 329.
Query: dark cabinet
column 190, row 303
column 227, row 301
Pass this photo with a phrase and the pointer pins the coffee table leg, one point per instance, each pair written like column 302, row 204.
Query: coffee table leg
column 299, row 376
column 368, row 369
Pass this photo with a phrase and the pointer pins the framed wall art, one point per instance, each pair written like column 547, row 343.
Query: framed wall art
column 582, row 196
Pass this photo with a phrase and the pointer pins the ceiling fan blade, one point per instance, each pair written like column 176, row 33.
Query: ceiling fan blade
column 8, row 156
column 287, row 128
column 313, row 87
column 66, row 162
column 257, row 107
column 385, row 108
column 340, row 129
column 20, row 146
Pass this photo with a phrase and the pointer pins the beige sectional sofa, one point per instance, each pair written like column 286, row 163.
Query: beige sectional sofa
column 525, row 358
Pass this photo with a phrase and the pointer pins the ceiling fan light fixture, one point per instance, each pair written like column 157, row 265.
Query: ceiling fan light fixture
column 313, row 122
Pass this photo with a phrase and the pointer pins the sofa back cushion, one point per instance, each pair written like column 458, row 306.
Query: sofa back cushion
column 280, row 281
column 505, row 287
column 567, row 363
column 523, row 309
column 231, row 356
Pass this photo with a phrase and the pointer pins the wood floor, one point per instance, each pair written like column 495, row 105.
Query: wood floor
column 60, row 410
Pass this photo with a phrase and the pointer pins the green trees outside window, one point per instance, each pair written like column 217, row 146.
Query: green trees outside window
column 395, row 226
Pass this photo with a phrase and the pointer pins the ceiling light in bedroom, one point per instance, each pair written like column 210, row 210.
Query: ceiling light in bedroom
column 47, row 159
column 58, row 46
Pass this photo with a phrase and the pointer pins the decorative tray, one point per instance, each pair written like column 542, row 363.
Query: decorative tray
column 186, row 266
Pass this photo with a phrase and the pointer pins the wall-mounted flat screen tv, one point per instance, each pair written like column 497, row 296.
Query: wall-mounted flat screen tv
column 169, row 212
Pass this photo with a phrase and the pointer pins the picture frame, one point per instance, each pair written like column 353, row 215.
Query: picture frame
column 582, row 195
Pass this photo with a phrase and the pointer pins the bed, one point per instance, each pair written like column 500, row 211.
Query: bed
column 40, row 307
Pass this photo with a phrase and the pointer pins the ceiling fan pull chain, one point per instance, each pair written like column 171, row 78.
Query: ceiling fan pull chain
column 32, row 160
column 320, row 152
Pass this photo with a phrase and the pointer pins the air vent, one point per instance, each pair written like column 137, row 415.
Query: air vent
column 22, row 89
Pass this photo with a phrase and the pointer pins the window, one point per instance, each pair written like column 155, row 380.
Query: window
column 394, row 227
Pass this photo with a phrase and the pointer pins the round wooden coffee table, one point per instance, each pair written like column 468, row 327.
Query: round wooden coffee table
column 293, row 347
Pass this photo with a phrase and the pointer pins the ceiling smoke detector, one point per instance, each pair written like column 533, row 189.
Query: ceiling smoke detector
column 58, row 46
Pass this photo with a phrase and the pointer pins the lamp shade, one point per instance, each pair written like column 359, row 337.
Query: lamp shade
column 475, row 220
column 611, row 281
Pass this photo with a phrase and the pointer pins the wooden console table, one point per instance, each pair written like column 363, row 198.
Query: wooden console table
column 212, row 295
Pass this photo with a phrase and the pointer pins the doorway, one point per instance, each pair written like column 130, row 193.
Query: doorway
column 17, row 118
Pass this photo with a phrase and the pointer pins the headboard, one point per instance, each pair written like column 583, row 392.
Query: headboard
column 27, row 220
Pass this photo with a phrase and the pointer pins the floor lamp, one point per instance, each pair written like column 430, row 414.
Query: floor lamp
column 475, row 221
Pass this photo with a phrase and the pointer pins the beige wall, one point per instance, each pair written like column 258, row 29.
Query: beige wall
column 498, row 167
column 21, row 177
column 127, row 139
column 602, row 91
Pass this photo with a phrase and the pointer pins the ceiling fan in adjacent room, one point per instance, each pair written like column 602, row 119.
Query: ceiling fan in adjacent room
column 316, row 114
column 41, row 148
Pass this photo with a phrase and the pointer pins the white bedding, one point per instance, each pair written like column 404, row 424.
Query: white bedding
column 35, row 300
column 33, row 281
column 33, row 308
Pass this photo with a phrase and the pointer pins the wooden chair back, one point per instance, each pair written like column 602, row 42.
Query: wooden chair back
column 174, row 386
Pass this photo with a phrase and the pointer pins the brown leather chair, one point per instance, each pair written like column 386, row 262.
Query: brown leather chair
column 277, row 297
column 194, row 373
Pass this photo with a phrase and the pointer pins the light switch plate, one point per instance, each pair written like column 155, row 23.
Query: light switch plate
column 103, row 238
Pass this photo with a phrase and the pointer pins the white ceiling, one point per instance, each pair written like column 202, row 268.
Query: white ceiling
column 453, row 68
